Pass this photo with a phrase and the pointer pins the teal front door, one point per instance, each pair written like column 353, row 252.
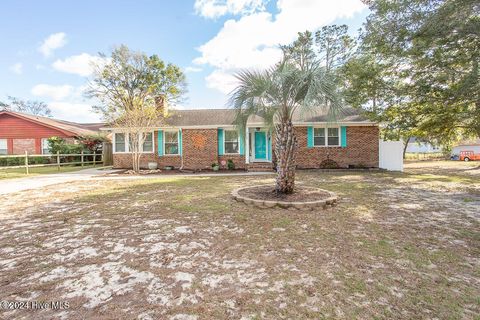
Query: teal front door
column 260, row 145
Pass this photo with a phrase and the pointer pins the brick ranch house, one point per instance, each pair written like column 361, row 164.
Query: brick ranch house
column 20, row 132
column 194, row 139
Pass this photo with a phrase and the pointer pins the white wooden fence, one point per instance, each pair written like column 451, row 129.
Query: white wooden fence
column 58, row 157
column 390, row 155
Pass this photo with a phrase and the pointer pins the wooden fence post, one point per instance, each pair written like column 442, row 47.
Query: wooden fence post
column 94, row 157
column 26, row 162
column 82, row 158
column 58, row 160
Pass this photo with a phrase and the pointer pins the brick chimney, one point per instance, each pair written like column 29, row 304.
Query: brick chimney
column 162, row 105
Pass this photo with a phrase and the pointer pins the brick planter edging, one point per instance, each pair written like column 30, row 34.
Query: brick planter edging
column 323, row 203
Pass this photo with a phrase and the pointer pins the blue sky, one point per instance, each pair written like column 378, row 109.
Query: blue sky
column 48, row 44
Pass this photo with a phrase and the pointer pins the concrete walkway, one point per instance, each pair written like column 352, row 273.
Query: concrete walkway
column 28, row 183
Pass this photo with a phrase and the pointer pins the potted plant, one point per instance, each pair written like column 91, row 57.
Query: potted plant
column 215, row 166
column 152, row 165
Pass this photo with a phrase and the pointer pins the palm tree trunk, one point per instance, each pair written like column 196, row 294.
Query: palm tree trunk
column 285, row 151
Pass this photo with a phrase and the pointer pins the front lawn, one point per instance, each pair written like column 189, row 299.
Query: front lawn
column 396, row 246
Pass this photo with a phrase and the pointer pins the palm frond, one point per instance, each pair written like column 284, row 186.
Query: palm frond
column 279, row 92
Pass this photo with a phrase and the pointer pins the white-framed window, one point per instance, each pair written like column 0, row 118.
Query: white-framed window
column 333, row 136
column 119, row 144
column 318, row 136
column 170, row 142
column 148, row 143
column 326, row 137
column 45, row 146
column 231, row 143
column 3, row 146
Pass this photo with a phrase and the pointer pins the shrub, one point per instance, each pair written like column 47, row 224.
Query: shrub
column 3, row 162
column 328, row 164
column 93, row 143
column 20, row 161
column 38, row 160
column 57, row 144
column 230, row 164
column 17, row 161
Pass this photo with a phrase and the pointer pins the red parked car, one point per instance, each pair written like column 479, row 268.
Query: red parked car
column 469, row 156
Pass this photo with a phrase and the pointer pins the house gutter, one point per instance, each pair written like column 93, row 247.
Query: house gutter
column 255, row 124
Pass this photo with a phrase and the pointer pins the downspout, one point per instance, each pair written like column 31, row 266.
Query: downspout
column 247, row 146
column 181, row 152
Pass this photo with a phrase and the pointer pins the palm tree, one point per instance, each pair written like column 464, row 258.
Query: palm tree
column 276, row 94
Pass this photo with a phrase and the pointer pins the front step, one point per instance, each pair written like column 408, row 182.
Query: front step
column 260, row 167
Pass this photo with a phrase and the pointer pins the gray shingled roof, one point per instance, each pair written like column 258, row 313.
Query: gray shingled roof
column 219, row 117
column 345, row 115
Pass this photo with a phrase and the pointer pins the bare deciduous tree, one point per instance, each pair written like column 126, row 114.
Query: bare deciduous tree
column 133, row 90
column 37, row 108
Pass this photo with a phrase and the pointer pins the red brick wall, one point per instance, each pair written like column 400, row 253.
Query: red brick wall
column 124, row 160
column 238, row 160
column 22, row 145
column 200, row 148
column 361, row 150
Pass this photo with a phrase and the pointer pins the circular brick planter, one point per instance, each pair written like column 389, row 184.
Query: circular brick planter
column 324, row 202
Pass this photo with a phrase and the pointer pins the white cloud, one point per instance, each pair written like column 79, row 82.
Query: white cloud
column 68, row 102
column 17, row 68
column 193, row 69
column 77, row 112
column 52, row 42
column 53, row 92
column 252, row 40
column 217, row 8
column 221, row 81
column 82, row 64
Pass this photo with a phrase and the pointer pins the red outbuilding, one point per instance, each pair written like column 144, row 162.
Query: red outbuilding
column 20, row 132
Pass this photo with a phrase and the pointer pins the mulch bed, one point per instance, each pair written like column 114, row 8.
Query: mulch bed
column 127, row 172
column 300, row 194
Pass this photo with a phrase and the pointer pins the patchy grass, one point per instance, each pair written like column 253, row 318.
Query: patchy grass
column 20, row 172
column 396, row 246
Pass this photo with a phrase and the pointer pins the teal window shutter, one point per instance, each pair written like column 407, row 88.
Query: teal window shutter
column 220, row 142
column 242, row 142
column 160, row 143
column 180, row 141
column 269, row 141
column 310, row 137
column 344, row 136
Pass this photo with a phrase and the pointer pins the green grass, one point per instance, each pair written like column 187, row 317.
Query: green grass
column 20, row 172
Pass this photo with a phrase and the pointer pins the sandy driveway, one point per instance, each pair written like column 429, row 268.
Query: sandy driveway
column 8, row 186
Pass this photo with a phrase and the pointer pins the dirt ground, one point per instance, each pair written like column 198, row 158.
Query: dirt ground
column 397, row 246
